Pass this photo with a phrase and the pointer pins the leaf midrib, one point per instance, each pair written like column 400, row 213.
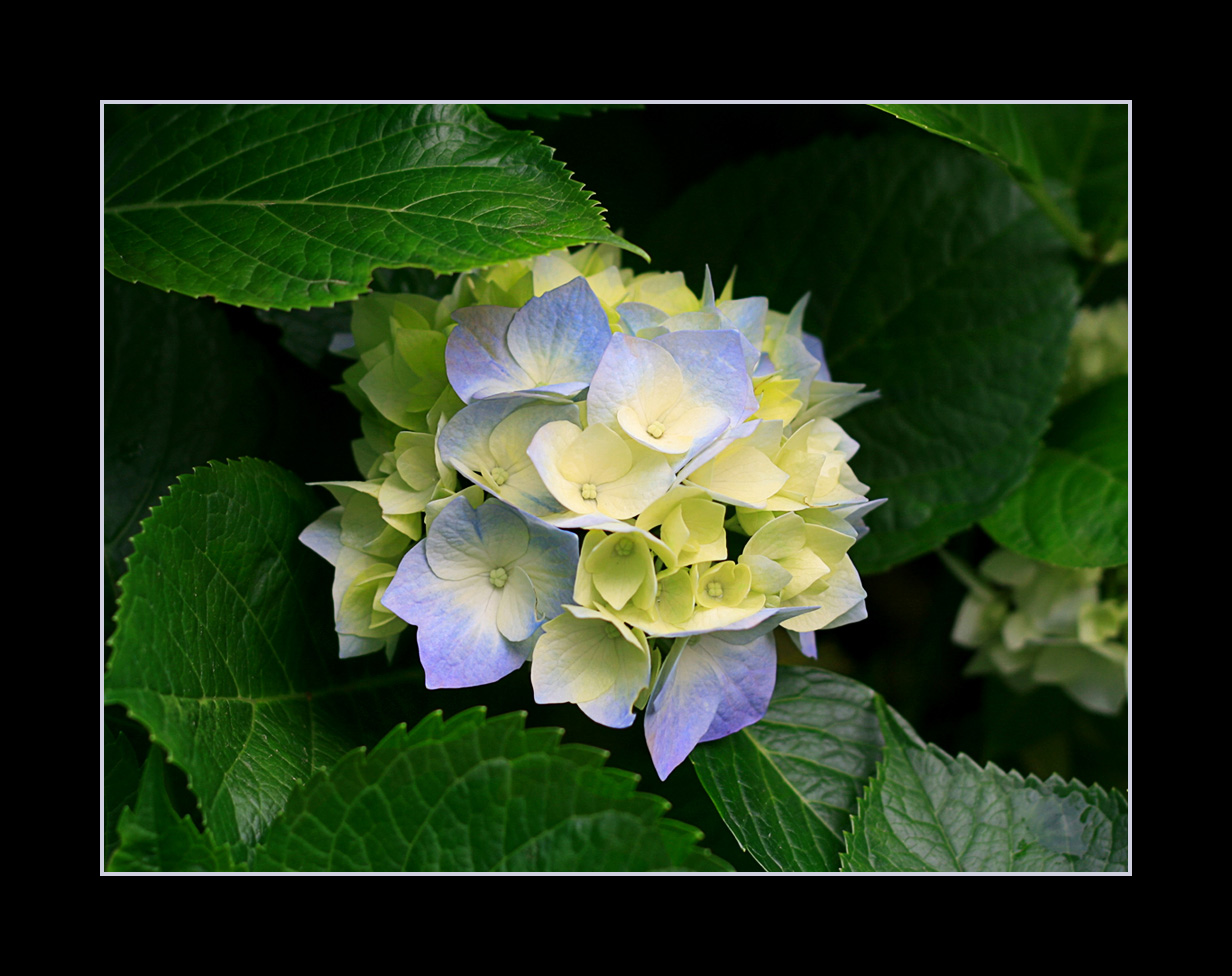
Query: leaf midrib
column 309, row 202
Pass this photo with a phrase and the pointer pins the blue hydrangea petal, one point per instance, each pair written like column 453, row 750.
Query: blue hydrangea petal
column 708, row 688
column 548, row 348
column 459, row 643
column 515, row 616
column 324, row 536
column 813, row 345
column 465, row 542
column 477, row 358
column 748, row 317
column 633, row 372
column 638, row 317
column 559, row 337
column 714, row 364
column 488, row 435
column 550, row 561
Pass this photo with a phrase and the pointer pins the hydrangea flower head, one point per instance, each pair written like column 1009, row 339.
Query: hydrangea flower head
column 563, row 393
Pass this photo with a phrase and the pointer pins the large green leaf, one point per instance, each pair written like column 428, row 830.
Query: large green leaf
column 787, row 786
column 1066, row 156
column 927, row 811
column 177, row 391
column 224, row 646
column 473, row 794
column 154, row 837
column 293, row 206
column 1074, row 509
column 935, row 280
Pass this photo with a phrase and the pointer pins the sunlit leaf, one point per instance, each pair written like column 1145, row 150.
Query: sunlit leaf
column 294, row 206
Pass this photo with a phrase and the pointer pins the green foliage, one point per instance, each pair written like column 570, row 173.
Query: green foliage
column 154, row 837
column 1074, row 508
column 294, row 206
column 933, row 279
column 787, row 786
column 121, row 777
column 225, row 651
column 927, row 811
column 1067, row 157
column 177, row 391
column 799, row 792
column 476, row 794
column 549, row 111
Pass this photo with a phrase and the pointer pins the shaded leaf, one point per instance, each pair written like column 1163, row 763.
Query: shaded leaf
column 177, row 391
column 294, row 206
column 787, row 786
column 225, row 649
column 927, row 811
column 477, row 794
column 933, row 279
column 121, row 777
column 153, row 837
column 1074, row 508
column 548, row 111
column 307, row 333
column 1067, row 156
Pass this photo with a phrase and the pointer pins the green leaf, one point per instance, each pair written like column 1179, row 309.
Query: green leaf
column 477, row 794
column 1066, row 156
column 933, row 279
column 225, row 649
column 535, row 111
column 926, row 811
column 1074, row 508
column 294, row 206
column 121, row 777
column 787, row 786
column 177, row 391
column 153, row 837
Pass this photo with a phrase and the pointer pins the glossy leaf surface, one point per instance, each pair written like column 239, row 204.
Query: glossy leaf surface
column 477, row 794
column 225, row 650
column 787, row 786
column 294, row 206
column 1074, row 508
column 927, row 811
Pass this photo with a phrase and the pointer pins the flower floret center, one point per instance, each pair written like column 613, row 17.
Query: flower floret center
column 498, row 577
column 589, row 492
column 714, row 589
column 499, row 476
column 655, row 429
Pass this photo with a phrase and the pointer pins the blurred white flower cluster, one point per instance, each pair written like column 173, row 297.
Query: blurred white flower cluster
column 626, row 483
column 1036, row 624
column 1098, row 349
